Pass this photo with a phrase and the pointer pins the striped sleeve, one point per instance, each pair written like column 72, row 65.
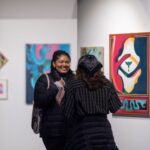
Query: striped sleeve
column 114, row 100
column 67, row 104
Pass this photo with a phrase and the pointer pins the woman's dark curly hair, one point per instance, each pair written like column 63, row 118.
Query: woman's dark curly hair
column 89, row 70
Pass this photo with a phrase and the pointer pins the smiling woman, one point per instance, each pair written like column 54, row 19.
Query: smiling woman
column 62, row 64
column 53, row 125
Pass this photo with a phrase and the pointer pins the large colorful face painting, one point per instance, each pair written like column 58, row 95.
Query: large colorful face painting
column 38, row 61
column 129, row 72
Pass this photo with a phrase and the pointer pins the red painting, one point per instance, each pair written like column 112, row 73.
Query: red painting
column 129, row 71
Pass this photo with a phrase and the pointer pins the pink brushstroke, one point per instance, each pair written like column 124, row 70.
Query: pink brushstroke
column 53, row 48
column 38, row 48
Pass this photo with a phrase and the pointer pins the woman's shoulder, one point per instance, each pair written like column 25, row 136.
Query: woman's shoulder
column 41, row 77
column 109, row 84
column 76, row 83
column 41, row 81
column 44, row 77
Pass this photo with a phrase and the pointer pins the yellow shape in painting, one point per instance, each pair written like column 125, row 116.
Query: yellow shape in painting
column 129, row 82
column 131, row 63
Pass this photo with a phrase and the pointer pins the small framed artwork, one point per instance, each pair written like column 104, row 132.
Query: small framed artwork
column 3, row 89
column 3, row 60
column 129, row 72
column 98, row 52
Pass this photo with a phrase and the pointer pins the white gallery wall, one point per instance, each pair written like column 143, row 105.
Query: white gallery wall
column 26, row 22
column 96, row 20
column 15, row 114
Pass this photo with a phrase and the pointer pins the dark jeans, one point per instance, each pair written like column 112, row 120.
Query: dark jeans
column 55, row 143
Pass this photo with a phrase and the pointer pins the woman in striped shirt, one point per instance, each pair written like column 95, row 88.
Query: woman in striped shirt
column 89, row 99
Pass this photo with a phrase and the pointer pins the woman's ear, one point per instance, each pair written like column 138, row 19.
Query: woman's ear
column 54, row 65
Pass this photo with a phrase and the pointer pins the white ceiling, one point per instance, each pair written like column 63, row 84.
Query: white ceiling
column 38, row 9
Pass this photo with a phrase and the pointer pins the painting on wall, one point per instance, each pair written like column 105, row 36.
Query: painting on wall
column 38, row 61
column 3, row 89
column 98, row 52
column 3, row 60
column 129, row 72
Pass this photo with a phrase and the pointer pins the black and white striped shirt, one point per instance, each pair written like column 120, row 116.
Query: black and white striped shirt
column 80, row 100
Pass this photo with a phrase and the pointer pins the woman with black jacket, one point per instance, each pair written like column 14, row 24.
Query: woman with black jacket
column 89, row 98
column 53, row 125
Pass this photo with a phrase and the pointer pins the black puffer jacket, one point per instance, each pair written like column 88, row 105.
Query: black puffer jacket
column 53, row 122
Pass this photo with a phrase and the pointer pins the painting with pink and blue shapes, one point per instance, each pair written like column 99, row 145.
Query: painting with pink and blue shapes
column 38, row 61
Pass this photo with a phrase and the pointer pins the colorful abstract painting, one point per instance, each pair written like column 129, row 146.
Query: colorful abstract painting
column 38, row 61
column 3, row 60
column 3, row 89
column 98, row 52
column 129, row 71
